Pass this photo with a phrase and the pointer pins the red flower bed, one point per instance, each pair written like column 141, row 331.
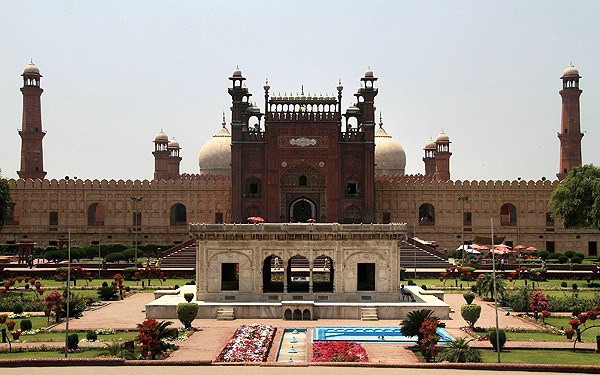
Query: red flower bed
column 339, row 351
column 250, row 343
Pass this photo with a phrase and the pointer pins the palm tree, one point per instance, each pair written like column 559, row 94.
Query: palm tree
column 413, row 322
column 460, row 351
column 486, row 285
column 166, row 333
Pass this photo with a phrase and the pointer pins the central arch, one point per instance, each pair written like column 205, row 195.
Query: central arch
column 302, row 209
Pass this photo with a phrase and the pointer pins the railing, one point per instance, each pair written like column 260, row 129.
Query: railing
column 428, row 248
column 303, row 116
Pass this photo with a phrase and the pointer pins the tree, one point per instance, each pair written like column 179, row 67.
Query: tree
column 152, row 335
column 577, row 324
column 485, row 285
column 539, row 304
column 470, row 313
column 577, row 198
column 4, row 201
column 460, row 351
column 413, row 322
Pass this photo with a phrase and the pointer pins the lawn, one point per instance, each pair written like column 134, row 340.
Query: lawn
column 532, row 336
column 92, row 353
column 565, row 357
column 60, row 336
column 98, row 282
column 563, row 323
column 451, row 283
column 36, row 321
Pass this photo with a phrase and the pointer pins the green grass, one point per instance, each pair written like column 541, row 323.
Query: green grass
column 36, row 321
column 92, row 353
column 98, row 282
column 533, row 336
column 545, row 284
column 542, row 357
column 60, row 336
column 587, row 336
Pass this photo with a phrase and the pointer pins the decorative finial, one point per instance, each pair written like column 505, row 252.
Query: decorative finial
column 380, row 121
column 224, row 123
column 31, row 61
column 302, row 89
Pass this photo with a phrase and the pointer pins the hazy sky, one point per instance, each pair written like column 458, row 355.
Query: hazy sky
column 116, row 72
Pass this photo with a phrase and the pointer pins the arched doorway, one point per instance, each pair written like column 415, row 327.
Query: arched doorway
column 297, row 314
column 306, row 314
column 323, row 274
column 298, row 271
column 287, row 315
column 301, row 210
column 273, row 274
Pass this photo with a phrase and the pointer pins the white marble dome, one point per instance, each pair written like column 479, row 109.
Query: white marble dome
column 390, row 158
column 442, row 137
column 31, row 68
column 173, row 143
column 215, row 154
column 430, row 145
column 571, row 71
column 161, row 137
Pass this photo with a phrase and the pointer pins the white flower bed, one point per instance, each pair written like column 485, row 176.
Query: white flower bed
column 250, row 343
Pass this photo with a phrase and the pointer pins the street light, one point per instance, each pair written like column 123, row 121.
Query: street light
column 463, row 198
column 137, row 223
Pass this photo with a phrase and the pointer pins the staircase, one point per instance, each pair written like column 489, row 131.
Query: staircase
column 225, row 313
column 424, row 259
column 368, row 313
column 180, row 256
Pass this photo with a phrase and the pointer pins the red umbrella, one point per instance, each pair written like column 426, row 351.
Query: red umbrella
column 520, row 247
column 311, row 221
column 531, row 248
column 480, row 247
column 255, row 220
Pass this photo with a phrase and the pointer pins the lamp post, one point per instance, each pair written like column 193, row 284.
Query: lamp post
column 494, row 284
column 68, row 295
column 463, row 198
column 136, row 199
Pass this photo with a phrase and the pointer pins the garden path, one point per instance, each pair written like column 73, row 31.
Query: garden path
column 204, row 345
column 118, row 315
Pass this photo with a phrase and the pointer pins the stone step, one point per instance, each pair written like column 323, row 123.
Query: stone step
column 368, row 314
column 225, row 314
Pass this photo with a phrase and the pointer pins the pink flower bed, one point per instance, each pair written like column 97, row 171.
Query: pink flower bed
column 250, row 343
column 339, row 352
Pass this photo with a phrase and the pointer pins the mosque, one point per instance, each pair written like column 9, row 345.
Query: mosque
column 301, row 158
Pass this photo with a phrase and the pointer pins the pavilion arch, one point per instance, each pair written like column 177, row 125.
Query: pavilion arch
column 508, row 214
column 426, row 214
column 306, row 315
column 298, row 273
column 323, row 274
column 95, row 214
column 287, row 315
column 178, row 214
column 273, row 274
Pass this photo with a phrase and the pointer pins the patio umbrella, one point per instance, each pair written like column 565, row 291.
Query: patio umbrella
column 520, row 247
column 531, row 248
column 472, row 251
column 255, row 220
column 464, row 247
column 481, row 247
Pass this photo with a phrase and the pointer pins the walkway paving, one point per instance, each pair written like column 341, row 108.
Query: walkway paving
column 390, row 353
column 204, row 345
column 119, row 315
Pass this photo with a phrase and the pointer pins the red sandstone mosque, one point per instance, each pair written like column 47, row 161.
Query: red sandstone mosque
column 300, row 158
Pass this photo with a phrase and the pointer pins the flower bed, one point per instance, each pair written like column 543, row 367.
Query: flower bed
column 339, row 352
column 250, row 343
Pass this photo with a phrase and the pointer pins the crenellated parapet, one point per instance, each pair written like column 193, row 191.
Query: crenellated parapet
column 411, row 182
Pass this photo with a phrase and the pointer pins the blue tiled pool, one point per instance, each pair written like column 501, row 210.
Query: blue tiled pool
column 372, row 335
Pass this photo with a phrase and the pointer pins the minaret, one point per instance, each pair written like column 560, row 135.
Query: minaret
column 367, row 126
column 161, row 156
column 32, row 155
column 429, row 158
column 174, row 159
column 240, row 101
column 442, row 157
column 570, row 134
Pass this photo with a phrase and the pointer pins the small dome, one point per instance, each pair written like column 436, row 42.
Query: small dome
column 390, row 158
column 161, row 137
column 31, row 68
column 429, row 145
column 173, row 143
column 571, row 71
column 215, row 154
column 237, row 72
column 369, row 73
column 442, row 137
column 352, row 109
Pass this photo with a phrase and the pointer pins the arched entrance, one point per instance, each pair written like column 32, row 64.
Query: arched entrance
column 301, row 210
column 323, row 274
column 298, row 271
column 273, row 274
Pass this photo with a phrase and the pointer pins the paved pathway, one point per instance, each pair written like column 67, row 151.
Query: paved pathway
column 245, row 370
column 204, row 345
column 119, row 315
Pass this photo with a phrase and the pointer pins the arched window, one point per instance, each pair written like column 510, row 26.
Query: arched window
column 178, row 214
column 426, row 214
column 12, row 212
column 352, row 189
column 95, row 214
column 508, row 214
column 302, row 180
column 252, row 187
column 352, row 215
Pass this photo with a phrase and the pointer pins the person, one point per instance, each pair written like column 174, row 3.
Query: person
column 406, row 293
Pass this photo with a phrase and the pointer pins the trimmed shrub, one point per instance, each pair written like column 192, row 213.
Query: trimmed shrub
column 129, row 254
column 115, row 257
column 469, row 297
column 109, row 248
column 25, row 325
column 176, row 286
column 576, row 260
column 492, row 338
column 474, row 288
column 91, row 336
column 564, row 284
column 18, row 309
column 574, row 286
column 424, row 287
column 104, row 284
column 543, row 254
column 188, row 297
column 108, row 293
column 186, row 313
column 563, row 259
column 470, row 313
column 191, row 282
column 129, row 273
column 569, row 254
column 73, row 341
column 410, row 282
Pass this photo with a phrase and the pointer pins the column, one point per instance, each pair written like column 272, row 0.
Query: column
column 285, row 277
column 310, row 281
